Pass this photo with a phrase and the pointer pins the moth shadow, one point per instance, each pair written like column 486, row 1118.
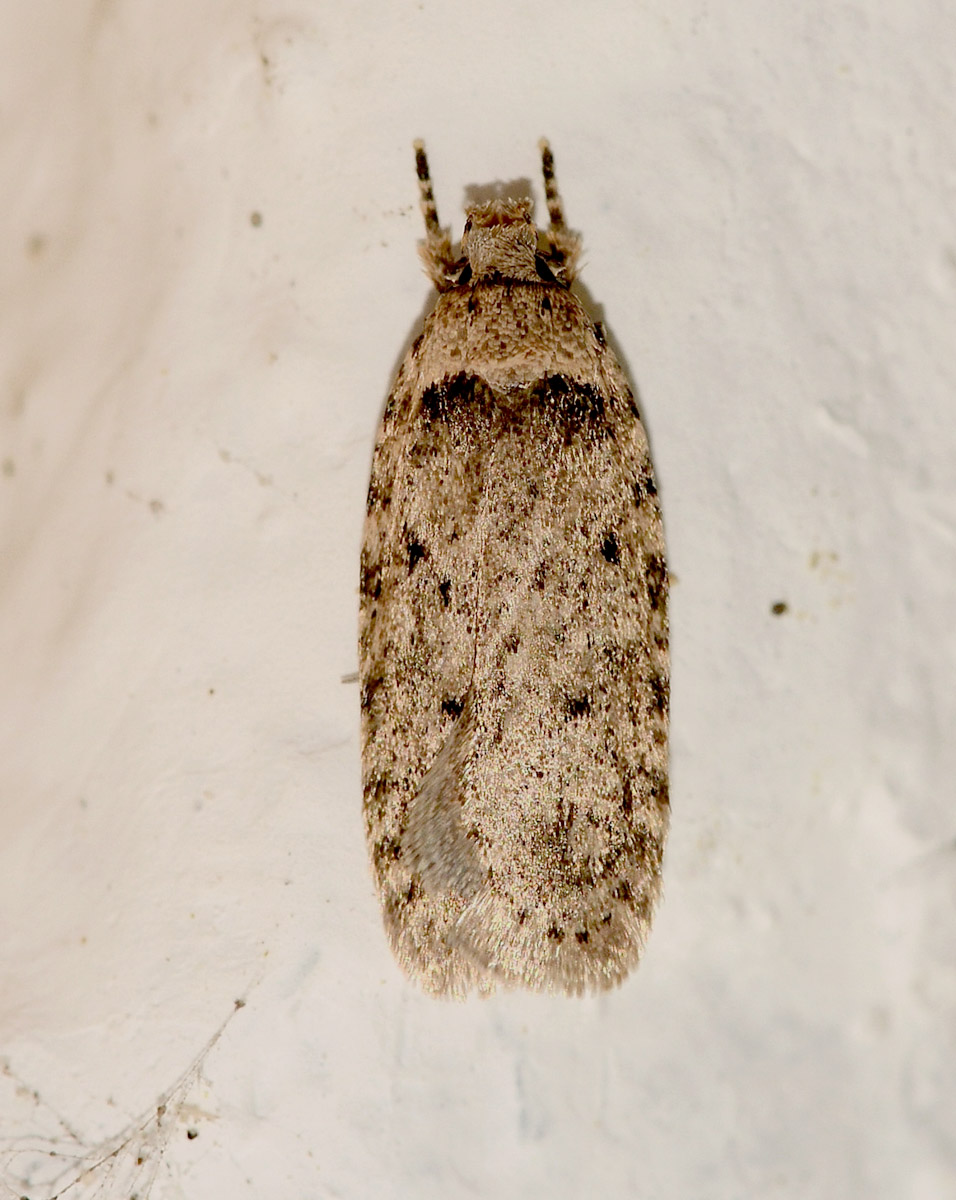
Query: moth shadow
column 508, row 189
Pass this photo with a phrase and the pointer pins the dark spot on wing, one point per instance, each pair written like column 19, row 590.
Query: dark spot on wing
column 369, row 688
column 661, row 690
column 610, row 549
column 452, row 707
column 442, row 400
column 376, row 798
column 416, row 552
column 371, row 583
column 373, row 497
column 433, row 402
column 660, row 790
column 387, row 850
column 655, row 574
column 576, row 409
column 444, row 590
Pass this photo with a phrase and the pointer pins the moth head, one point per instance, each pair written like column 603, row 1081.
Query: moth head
column 500, row 238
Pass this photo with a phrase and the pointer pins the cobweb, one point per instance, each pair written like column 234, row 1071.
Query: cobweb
column 49, row 1158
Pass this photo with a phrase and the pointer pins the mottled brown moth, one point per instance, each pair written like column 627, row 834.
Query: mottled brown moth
column 513, row 627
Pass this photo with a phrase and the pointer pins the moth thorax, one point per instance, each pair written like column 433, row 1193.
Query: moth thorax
column 500, row 239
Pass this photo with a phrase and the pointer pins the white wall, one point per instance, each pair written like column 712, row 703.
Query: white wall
column 187, row 407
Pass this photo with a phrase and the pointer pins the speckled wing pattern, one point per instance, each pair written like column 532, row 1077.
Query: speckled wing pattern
column 513, row 648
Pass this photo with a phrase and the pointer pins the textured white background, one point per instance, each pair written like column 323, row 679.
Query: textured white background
column 187, row 406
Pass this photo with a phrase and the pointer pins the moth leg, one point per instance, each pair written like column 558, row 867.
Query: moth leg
column 436, row 252
column 564, row 244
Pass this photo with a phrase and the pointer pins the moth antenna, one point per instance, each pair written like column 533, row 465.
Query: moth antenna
column 565, row 245
column 551, row 194
column 436, row 251
column 429, row 209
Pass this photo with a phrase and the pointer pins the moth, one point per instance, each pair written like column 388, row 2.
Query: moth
column 513, row 636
